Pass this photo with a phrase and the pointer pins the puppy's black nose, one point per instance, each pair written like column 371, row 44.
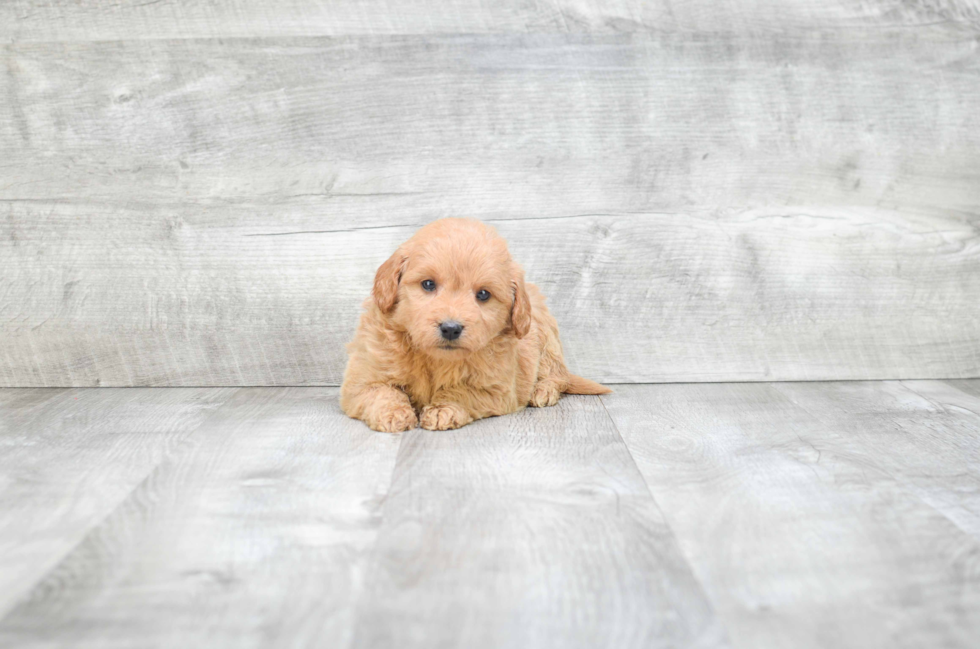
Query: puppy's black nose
column 450, row 329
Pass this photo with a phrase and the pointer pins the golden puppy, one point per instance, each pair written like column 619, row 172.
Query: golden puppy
column 452, row 334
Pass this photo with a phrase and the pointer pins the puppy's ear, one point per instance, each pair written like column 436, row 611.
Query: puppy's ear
column 386, row 281
column 520, row 312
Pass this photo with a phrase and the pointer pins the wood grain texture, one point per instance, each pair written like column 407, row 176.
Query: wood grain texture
column 801, row 534
column 791, row 207
column 60, row 20
column 925, row 434
column 530, row 530
column 251, row 536
column 503, row 125
column 969, row 386
column 781, row 515
column 69, row 457
column 91, row 298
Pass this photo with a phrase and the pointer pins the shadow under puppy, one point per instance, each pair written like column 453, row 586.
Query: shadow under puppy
column 452, row 334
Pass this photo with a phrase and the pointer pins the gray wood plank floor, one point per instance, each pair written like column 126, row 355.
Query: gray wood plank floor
column 744, row 515
column 806, row 527
column 71, row 457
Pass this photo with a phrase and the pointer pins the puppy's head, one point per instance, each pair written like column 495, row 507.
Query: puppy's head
column 453, row 287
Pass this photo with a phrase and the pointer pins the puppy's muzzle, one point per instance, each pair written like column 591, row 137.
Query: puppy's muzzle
column 450, row 329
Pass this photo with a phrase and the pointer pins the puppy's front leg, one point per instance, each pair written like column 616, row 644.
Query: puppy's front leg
column 444, row 414
column 455, row 407
column 381, row 407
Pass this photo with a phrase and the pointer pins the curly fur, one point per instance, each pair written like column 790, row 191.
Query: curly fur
column 402, row 373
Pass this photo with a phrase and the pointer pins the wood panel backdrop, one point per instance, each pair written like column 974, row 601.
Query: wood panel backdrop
column 199, row 193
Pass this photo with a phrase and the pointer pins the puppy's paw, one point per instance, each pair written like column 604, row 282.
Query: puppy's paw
column 395, row 420
column 444, row 417
column 546, row 393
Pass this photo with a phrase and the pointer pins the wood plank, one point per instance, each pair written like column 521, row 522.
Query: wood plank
column 120, row 298
column 799, row 539
column 37, row 20
column 967, row 385
column 505, row 125
column 251, row 536
column 530, row 530
column 70, row 457
column 925, row 434
column 140, row 178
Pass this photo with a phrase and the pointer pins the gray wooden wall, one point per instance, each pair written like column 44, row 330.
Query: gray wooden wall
column 198, row 193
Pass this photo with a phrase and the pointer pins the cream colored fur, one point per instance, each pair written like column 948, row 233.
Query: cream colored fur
column 401, row 372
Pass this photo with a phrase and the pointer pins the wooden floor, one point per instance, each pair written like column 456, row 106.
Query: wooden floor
column 712, row 515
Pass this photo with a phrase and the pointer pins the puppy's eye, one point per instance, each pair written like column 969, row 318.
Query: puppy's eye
column 483, row 295
column 428, row 285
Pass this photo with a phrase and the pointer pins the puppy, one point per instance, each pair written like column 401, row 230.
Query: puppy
column 452, row 334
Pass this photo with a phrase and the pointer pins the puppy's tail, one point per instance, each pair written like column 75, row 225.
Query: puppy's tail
column 578, row 385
